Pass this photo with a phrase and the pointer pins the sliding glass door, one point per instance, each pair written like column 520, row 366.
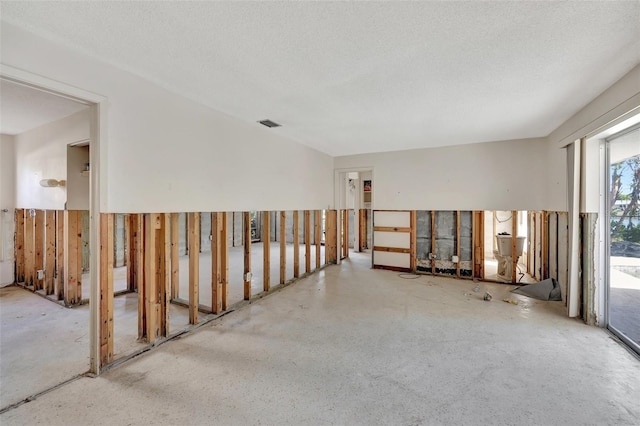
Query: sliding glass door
column 624, row 231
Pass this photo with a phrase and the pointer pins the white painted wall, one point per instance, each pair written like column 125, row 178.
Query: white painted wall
column 486, row 176
column 7, row 202
column 41, row 153
column 167, row 153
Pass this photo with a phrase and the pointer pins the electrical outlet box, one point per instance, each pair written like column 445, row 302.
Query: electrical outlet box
column 248, row 276
column 455, row 259
column 210, row 237
column 40, row 274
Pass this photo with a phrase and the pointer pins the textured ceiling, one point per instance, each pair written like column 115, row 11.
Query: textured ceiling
column 23, row 108
column 354, row 77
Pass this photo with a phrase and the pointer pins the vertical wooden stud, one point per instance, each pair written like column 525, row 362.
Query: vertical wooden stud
column 362, row 229
column 224, row 260
column 433, row 242
column 175, row 255
column 141, row 279
column 458, row 243
column 307, row 241
column 345, row 233
column 29, row 248
column 151, row 224
column 317, row 216
column 194, row 265
column 19, row 246
column 50, row 257
column 73, row 257
column 413, row 246
column 106, row 288
column 266, row 243
column 247, row 254
column 331, row 237
column 38, row 231
column 216, row 281
column 478, row 244
column 514, row 234
column 296, row 244
column 283, row 247
column 130, row 253
column 164, row 272
column 545, row 245
column 60, row 257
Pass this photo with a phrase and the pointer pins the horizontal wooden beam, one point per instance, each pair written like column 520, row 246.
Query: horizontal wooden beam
column 392, row 249
column 391, row 229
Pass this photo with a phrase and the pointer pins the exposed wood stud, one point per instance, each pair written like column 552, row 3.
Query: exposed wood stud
column 392, row 229
column 175, row 255
column 194, row 265
column 307, row 241
column 345, row 233
column 140, row 268
column 60, row 257
column 150, row 280
column 317, row 218
column 433, row 242
column 362, row 229
column 73, row 256
column 413, row 241
column 29, row 248
column 130, row 232
column 478, row 244
column 296, row 244
column 283, row 247
column 224, row 260
column 247, row 254
column 392, row 250
column 514, row 235
column 331, row 236
column 38, row 284
column 19, row 246
column 545, row 244
column 458, row 243
column 50, row 257
column 164, row 272
column 266, row 243
column 216, row 285
column 106, row 288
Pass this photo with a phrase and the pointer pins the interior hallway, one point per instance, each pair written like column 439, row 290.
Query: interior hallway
column 351, row 345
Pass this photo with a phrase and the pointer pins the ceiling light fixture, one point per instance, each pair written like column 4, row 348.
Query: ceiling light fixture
column 269, row 123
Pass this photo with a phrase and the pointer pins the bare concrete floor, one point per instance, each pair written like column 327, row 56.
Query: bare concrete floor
column 351, row 345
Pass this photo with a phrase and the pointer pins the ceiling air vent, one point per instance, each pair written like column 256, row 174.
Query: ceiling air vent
column 269, row 123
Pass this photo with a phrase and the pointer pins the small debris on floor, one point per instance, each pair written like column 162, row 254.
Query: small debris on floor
column 476, row 288
column 487, row 296
column 513, row 302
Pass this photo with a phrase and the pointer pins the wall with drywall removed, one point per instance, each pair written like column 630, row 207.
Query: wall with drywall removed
column 7, row 202
column 507, row 175
column 41, row 153
column 166, row 153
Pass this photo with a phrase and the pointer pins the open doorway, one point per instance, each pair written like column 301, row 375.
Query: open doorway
column 41, row 130
column 504, row 232
column 354, row 202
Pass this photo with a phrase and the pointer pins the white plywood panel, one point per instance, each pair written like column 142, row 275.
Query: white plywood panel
column 392, row 239
column 393, row 219
column 398, row 260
